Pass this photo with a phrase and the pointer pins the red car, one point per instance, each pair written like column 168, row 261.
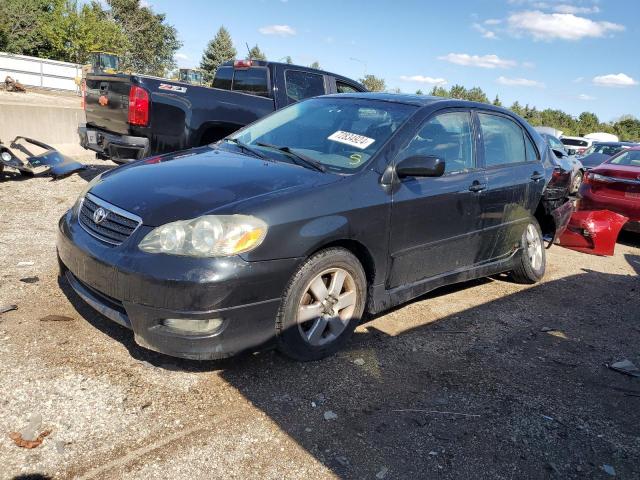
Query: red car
column 615, row 185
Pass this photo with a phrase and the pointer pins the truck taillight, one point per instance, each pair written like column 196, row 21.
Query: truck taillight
column 138, row 106
column 242, row 64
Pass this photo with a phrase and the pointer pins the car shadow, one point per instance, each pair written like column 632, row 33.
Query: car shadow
column 512, row 388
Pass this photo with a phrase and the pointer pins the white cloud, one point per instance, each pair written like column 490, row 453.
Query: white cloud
column 482, row 61
column 565, row 26
column 486, row 33
column 493, row 21
column 579, row 80
column 282, row 30
column 565, row 8
column 423, row 79
column 519, row 82
column 181, row 56
column 584, row 96
column 528, row 65
column 614, row 80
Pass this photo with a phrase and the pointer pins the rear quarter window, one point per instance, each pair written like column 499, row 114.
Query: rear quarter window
column 223, row 78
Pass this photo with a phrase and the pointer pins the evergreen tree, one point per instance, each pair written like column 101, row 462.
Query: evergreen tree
column 218, row 51
column 256, row 54
column 288, row 59
column 419, row 92
column 315, row 64
column 496, row 101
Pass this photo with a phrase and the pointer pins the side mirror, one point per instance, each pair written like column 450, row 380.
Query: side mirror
column 420, row 166
column 559, row 153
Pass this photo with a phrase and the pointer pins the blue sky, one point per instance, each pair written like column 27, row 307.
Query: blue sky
column 576, row 55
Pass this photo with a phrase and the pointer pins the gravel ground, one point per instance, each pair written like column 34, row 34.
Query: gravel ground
column 487, row 379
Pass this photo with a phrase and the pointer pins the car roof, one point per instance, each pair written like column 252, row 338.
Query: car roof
column 616, row 144
column 418, row 100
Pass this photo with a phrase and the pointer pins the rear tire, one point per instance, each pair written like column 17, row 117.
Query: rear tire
column 322, row 305
column 532, row 263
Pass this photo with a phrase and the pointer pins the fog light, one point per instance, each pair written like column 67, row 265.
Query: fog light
column 192, row 325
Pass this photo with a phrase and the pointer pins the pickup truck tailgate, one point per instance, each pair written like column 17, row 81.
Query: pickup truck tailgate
column 107, row 102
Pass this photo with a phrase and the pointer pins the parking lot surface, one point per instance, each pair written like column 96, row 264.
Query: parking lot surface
column 486, row 379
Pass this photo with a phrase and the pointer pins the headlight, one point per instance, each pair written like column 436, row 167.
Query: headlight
column 87, row 187
column 206, row 236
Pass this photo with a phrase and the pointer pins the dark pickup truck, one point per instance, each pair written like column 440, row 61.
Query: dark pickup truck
column 134, row 116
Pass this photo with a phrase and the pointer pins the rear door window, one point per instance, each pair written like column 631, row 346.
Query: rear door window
column 301, row 85
column 251, row 80
column 503, row 140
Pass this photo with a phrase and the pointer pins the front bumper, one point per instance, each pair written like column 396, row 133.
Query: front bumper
column 139, row 291
column 119, row 148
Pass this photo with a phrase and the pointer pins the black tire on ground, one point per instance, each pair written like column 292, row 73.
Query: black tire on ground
column 27, row 174
column 296, row 338
column 532, row 263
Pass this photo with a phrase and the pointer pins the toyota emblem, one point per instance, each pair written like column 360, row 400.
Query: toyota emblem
column 99, row 215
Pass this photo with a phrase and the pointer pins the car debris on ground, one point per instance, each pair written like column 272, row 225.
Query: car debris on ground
column 11, row 85
column 49, row 162
column 29, row 437
column 7, row 308
column 627, row 367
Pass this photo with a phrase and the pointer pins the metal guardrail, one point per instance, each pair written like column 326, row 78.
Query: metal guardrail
column 40, row 72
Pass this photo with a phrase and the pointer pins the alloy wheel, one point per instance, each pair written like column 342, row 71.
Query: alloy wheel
column 534, row 247
column 327, row 306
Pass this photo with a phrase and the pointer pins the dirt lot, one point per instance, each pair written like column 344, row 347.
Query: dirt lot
column 463, row 383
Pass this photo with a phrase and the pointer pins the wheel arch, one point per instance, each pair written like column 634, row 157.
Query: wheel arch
column 359, row 250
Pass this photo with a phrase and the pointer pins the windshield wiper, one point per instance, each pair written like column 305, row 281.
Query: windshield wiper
column 245, row 147
column 301, row 159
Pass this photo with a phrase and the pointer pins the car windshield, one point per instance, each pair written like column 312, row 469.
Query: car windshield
column 630, row 158
column 573, row 142
column 604, row 149
column 340, row 134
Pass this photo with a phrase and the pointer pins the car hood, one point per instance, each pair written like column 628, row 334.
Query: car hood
column 196, row 182
column 593, row 159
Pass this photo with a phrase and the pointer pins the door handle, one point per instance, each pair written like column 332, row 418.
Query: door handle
column 477, row 186
column 537, row 176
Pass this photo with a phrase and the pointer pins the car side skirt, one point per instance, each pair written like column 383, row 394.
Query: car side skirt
column 381, row 299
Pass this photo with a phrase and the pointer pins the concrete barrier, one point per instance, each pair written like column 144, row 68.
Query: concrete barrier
column 56, row 126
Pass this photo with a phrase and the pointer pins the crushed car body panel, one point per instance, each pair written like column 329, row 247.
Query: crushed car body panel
column 593, row 231
column 50, row 161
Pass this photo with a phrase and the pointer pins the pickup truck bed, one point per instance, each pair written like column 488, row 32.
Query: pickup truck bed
column 134, row 116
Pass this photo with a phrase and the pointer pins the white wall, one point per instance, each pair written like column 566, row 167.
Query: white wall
column 39, row 72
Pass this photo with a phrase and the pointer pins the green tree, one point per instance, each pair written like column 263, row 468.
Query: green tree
column 627, row 128
column 288, row 59
column 373, row 83
column 458, row 91
column 152, row 42
column 517, row 108
column 588, row 123
column 21, row 23
column 497, row 102
column 218, row 51
column 476, row 94
column 315, row 64
column 256, row 54
column 419, row 92
column 439, row 92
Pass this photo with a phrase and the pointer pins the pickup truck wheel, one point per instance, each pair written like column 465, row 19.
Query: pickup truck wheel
column 531, row 266
column 322, row 305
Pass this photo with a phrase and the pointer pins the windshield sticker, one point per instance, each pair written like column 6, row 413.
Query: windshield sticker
column 351, row 139
column 172, row 88
column 355, row 158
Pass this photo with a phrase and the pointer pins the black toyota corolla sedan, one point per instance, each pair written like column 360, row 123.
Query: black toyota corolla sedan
column 288, row 231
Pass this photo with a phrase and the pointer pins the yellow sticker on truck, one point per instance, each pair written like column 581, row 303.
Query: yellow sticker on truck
column 351, row 139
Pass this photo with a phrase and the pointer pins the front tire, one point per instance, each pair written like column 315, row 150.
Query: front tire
column 322, row 305
column 531, row 266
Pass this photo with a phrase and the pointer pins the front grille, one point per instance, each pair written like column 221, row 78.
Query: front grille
column 116, row 227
